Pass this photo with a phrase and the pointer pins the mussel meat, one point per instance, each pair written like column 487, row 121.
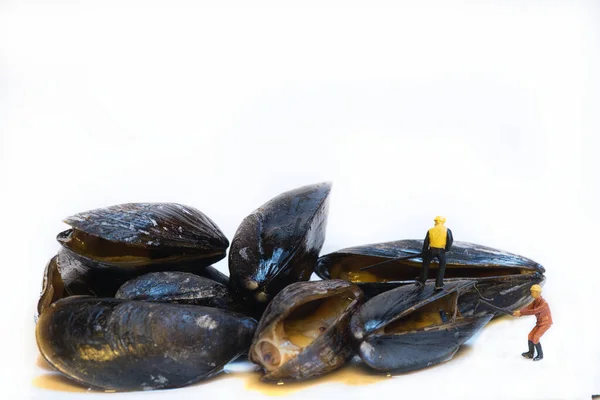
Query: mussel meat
column 136, row 345
column 408, row 328
column 502, row 279
column 304, row 331
column 279, row 243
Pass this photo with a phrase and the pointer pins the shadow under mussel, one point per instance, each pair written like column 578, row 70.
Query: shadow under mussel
column 502, row 279
column 278, row 244
column 304, row 332
column 409, row 328
column 134, row 345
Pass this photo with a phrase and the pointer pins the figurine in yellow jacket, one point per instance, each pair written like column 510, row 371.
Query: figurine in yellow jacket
column 437, row 242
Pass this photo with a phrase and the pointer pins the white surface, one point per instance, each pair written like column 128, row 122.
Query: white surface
column 483, row 113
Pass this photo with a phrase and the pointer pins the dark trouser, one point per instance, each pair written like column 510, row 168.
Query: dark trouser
column 429, row 255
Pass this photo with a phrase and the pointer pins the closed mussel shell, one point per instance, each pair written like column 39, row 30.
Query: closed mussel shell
column 502, row 278
column 177, row 287
column 135, row 345
column 279, row 243
column 137, row 235
column 304, row 332
column 409, row 328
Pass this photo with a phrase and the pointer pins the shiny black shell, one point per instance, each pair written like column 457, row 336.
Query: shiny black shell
column 177, row 287
column 279, row 243
column 68, row 275
column 182, row 232
column 411, row 350
column 510, row 291
column 135, row 345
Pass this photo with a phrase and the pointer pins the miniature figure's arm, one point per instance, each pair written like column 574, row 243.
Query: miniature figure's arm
column 449, row 239
column 426, row 243
column 531, row 310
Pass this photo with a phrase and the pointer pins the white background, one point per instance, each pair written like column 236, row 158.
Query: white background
column 485, row 112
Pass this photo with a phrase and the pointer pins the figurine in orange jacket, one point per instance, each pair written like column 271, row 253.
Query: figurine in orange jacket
column 540, row 308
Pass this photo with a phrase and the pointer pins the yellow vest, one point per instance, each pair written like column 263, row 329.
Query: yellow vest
column 437, row 236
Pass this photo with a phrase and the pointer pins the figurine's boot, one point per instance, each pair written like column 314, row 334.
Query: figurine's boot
column 540, row 353
column 528, row 354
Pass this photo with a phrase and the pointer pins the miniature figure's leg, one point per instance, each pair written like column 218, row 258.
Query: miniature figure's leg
column 528, row 354
column 532, row 334
column 439, row 282
column 537, row 333
column 540, row 353
column 425, row 267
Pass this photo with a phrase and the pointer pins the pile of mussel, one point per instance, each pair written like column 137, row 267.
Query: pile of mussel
column 131, row 301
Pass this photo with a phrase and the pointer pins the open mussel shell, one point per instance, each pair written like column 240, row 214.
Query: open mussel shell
column 177, row 287
column 304, row 331
column 409, row 328
column 136, row 345
column 279, row 243
column 503, row 279
column 136, row 235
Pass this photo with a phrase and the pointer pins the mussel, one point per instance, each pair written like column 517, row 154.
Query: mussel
column 136, row 345
column 304, row 331
column 177, row 287
column 66, row 275
column 279, row 243
column 408, row 328
column 502, row 279
column 138, row 235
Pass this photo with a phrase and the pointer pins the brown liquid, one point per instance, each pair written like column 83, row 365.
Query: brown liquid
column 43, row 364
column 57, row 383
column 354, row 374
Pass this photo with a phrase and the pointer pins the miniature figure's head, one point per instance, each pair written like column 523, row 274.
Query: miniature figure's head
column 439, row 220
column 536, row 291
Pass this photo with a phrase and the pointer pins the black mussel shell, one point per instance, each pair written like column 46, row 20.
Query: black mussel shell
column 279, row 243
column 304, row 332
column 409, row 328
column 177, row 287
column 136, row 235
column 136, row 345
column 502, row 278
column 67, row 275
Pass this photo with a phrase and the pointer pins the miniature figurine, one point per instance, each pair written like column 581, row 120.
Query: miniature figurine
column 437, row 242
column 540, row 308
